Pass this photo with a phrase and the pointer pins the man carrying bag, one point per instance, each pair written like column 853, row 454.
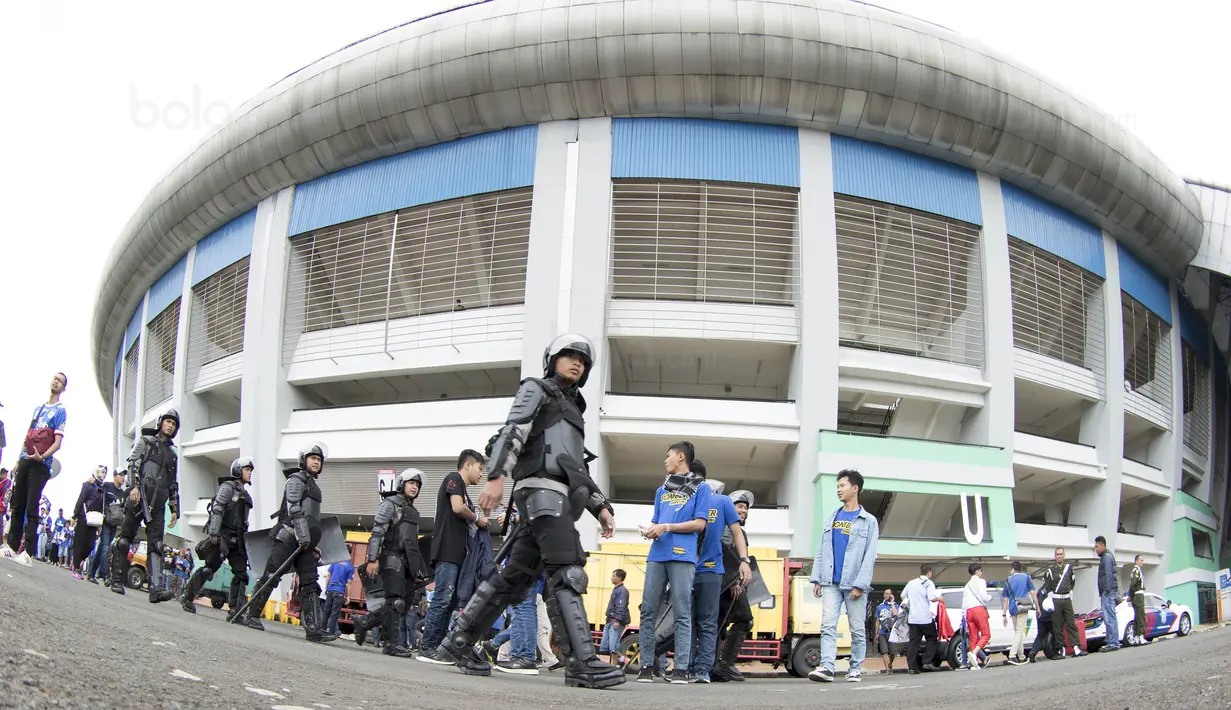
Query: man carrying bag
column 1018, row 598
column 35, row 467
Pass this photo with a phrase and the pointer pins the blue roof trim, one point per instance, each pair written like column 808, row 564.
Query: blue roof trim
column 133, row 331
column 224, row 246
column 1140, row 282
column 1053, row 229
column 705, row 149
column 1194, row 331
column 166, row 289
column 501, row 160
column 886, row 174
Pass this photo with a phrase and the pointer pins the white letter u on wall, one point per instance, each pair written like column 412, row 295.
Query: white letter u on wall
column 975, row 537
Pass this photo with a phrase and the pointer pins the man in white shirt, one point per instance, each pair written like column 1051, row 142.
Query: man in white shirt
column 974, row 608
column 917, row 598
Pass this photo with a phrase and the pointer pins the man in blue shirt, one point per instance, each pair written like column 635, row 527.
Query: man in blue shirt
column 340, row 574
column 1018, row 586
column 707, row 584
column 681, row 508
column 842, row 576
column 34, row 470
column 885, row 613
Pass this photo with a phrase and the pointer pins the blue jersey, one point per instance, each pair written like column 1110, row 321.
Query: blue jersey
column 675, row 507
column 841, row 536
column 48, row 416
column 720, row 517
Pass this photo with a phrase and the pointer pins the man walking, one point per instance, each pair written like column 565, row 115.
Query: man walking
column 1108, row 593
column 154, row 465
column 393, row 552
column 1058, row 582
column 681, row 508
column 90, row 500
column 722, row 521
column 225, row 530
column 1018, row 591
column 34, row 469
column 113, row 493
column 974, row 609
column 733, row 607
column 1137, row 595
column 918, row 596
column 336, row 579
column 454, row 514
column 842, row 576
column 886, row 612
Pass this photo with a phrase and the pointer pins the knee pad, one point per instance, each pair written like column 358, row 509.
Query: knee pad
column 572, row 577
column 121, row 543
column 207, row 574
column 400, row 606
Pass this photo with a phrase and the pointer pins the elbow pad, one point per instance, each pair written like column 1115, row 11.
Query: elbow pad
column 598, row 503
column 507, row 449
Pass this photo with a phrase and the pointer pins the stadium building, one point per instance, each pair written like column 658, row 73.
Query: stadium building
column 804, row 234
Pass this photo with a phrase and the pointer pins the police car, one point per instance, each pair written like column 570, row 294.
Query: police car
column 1163, row 618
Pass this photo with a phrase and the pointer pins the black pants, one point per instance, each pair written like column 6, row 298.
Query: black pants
column 1044, row 639
column 83, row 542
column 231, row 548
column 304, row 565
column 134, row 516
column 547, row 543
column 1064, row 623
column 28, row 484
column 926, row 633
column 53, row 552
column 735, row 613
column 1139, row 616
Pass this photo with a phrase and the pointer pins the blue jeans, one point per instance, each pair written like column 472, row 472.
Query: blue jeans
column 100, row 563
column 833, row 600
column 522, row 634
column 705, row 590
column 409, row 634
column 657, row 575
column 444, row 599
column 611, row 638
column 1110, row 622
column 333, row 610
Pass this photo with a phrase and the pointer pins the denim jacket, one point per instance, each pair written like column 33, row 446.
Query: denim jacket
column 860, row 553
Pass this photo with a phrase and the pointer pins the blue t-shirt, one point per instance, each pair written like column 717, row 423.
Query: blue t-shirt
column 841, row 536
column 720, row 517
column 339, row 574
column 1017, row 585
column 884, row 618
column 675, row 508
column 46, row 416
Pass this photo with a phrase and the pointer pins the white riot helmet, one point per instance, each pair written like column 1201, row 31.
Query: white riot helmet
column 410, row 474
column 569, row 342
column 716, row 486
column 743, row 496
column 239, row 464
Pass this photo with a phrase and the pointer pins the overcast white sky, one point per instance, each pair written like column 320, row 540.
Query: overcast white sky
column 82, row 146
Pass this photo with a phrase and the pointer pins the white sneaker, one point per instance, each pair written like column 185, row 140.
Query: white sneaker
column 854, row 677
column 6, row 551
column 23, row 559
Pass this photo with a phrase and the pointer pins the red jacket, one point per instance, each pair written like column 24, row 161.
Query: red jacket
column 944, row 629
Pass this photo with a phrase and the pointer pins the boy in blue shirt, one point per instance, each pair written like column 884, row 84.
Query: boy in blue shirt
column 707, row 584
column 681, row 508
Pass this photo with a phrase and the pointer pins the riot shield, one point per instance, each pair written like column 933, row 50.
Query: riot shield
column 332, row 545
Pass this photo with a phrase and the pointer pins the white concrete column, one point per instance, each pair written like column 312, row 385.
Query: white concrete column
column 587, row 205
column 1096, row 504
column 193, row 477
column 266, row 398
column 993, row 424
column 142, row 350
column 1159, row 516
column 814, row 370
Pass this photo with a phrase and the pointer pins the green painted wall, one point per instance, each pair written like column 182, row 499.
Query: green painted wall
column 1182, row 556
column 1185, row 594
column 1002, row 525
column 913, row 449
column 1182, row 498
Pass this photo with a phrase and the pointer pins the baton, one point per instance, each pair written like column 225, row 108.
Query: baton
column 275, row 577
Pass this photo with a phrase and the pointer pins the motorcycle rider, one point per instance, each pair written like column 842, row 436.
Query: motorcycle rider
column 733, row 607
column 542, row 446
column 393, row 551
column 153, row 486
column 228, row 523
column 297, row 534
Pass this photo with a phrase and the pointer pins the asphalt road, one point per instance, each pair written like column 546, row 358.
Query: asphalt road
column 69, row 644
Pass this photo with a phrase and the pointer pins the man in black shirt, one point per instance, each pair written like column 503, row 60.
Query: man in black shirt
column 450, row 530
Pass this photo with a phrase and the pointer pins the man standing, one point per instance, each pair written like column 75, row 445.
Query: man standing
column 886, row 612
column 1018, row 588
column 296, row 534
column 842, row 575
column 451, row 530
column 113, row 493
column 34, row 469
column 617, row 617
column 1058, row 582
column 228, row 523
column 154, row 465
column 1108, row 593
column 542, row 445
column 337, row 577
column 1137, row 594
column 733, row 607
column 393, row 551
column 59, row 532
column 90, row 500
column 722, row 521
column 918, row 596
column 681, row 509
column 974, row 609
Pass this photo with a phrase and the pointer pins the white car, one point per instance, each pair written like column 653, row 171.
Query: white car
column 1002, row 632
column 1162, row 619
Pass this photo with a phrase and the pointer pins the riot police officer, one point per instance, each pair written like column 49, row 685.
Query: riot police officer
column 296, row 535
column 393, row 551
column 542, row 445
column 228, row 523
column 733, row 607
column 153, row 486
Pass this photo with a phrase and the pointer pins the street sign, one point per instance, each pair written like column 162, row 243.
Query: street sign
column 1224, row 580
column 384, row 479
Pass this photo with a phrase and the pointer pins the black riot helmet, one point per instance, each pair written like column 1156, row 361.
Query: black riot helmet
column 237, row 466
column 173, row 416
column 312, row 450
column 569, row 342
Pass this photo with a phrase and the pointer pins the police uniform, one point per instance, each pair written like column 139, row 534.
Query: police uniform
column 542, row 446
column 395, row 546
column 224, row 539
column 153, row 472
column 1058, row 581
column 297, row 534
column 734, row 611
column 1137, row 593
